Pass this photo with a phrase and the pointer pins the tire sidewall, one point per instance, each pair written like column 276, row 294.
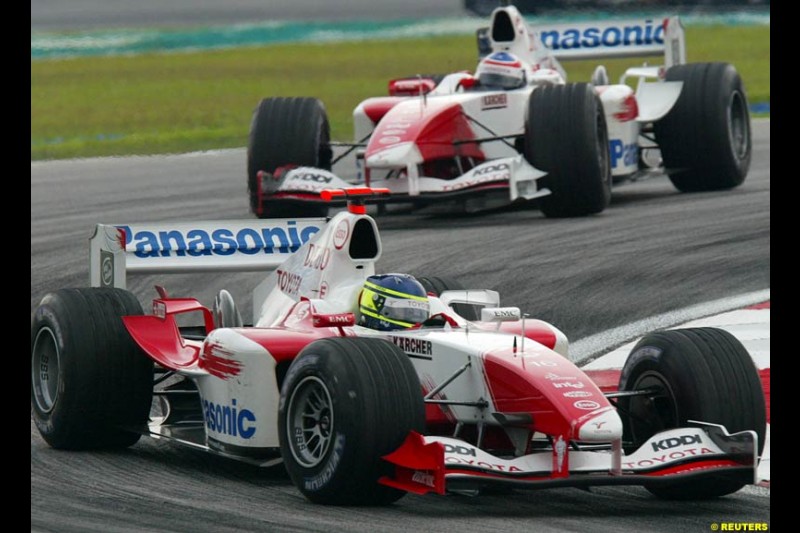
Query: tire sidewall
column 696, row 136
column 655, row 357
column 104, row 390
column 566, row 135
column 708, row 376
column 326, row 476
column 732, row 88
column 286, row 131
column 692, row 363
column 45, row 317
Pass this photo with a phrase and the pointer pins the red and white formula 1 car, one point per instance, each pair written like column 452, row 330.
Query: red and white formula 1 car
column 475, row 396
column 516, row 130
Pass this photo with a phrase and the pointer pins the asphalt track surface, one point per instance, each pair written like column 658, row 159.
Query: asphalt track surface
column 654, row 250
column 69, row 15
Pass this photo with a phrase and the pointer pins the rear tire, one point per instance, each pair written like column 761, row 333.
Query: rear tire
column 437, row 285
column 705, row 139
column 91, row 385
column 567, row 137
column 702, row 374
column 345, row 403
column 287, row 131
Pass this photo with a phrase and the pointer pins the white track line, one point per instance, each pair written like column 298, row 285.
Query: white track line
column 588, row 348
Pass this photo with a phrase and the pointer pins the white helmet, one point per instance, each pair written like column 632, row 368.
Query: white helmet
column 501, row 70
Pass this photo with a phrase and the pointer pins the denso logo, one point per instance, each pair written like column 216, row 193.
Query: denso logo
column 220, row 241
column 674, row 442
column 317, row 257
column 229, row 420
column 628, row 154
column 648, row 33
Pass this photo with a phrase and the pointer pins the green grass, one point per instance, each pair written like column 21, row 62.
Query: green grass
column 167, row 103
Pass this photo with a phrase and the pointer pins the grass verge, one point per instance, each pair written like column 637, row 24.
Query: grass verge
column 178, row 102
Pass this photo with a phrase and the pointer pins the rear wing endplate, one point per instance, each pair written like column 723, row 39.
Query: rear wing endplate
column 176, row 247
column 602, row 39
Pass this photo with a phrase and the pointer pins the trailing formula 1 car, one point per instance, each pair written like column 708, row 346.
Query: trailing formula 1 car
column 515, row 130
column 368, row 386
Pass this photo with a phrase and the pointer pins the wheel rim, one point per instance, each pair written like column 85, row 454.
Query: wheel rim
column 45, row 370
column 654, row 412
column 309, row 421
column 738, row 131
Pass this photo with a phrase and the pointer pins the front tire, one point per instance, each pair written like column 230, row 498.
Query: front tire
column 567, row 137
column 287, row 131
column 705, row 139
column 702, row 374
column 345, row 403
column 91, row 385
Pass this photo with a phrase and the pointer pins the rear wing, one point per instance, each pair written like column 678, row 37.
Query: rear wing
column 603, row 39
column 176, row 247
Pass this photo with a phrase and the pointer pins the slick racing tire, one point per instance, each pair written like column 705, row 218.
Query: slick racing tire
column 91, row 385
column 287, row 131
column 702, row 374
column 567, row 137
column 437, row 285
column 345, row 403
column 705, row 139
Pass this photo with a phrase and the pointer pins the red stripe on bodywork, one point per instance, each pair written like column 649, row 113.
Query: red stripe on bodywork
column 607, row 380
column 689, row 467
column 764, row 374
column 294, row 333
column 536, row 330
column 376, row 108
column 433, row 126
column 629, row 109
column 762, row 305
column 218, row 361
column 516, row 64
column 419, row 467
column 678, row 469
column 536, row 382
column 296, row 195
column 161, row 340
column 285, row 345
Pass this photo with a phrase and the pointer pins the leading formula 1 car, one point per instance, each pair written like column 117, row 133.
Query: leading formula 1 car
column 515, row 130
column 475, row 395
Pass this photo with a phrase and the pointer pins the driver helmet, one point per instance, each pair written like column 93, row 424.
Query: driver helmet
column 392, row 301
column 501, row 70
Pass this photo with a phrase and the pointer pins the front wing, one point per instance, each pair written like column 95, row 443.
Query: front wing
column 442, row 464
column 509, row 178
